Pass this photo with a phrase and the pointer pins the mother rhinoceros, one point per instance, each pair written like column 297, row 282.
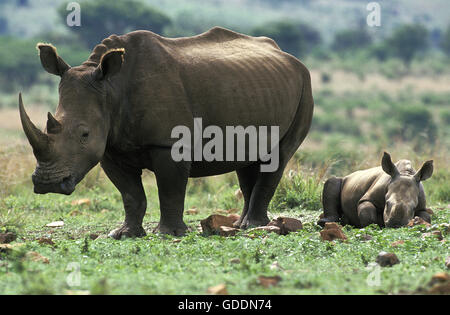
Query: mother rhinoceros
column 121, row 106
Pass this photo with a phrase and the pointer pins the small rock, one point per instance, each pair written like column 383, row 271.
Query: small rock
column 5, row 247
column 213, row 223
column 418, row 221
column 286, row 225
column 104, row 211
column 439, row 277
column 267, row 282
column 447, row 262
column 7, row 237
column 75, row 213
column 55, row 224
column 81, row 202
column 46, row 240
column 437, row 234
column 387, row 259
column 36, row 257
column 440, row 283
column 332, row 231
column 234, row 217
column 366, row 237
column 267, row 228
column 192, row 211
column 227, row 231
column 93, row 236
column 238, row 194
column 234, row 261
column 220, row 289
column 397, row 243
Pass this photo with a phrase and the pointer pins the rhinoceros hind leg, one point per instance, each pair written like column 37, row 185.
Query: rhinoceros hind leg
column 263, row 190
column 247, row 178
column 331, row 201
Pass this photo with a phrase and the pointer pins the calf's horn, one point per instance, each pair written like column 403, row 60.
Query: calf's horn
column 37, row 139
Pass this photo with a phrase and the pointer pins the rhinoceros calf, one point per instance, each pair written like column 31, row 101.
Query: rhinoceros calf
column 390, row 195
column 120, row 107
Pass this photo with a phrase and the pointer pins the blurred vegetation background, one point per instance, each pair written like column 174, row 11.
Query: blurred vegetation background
column 375, row 88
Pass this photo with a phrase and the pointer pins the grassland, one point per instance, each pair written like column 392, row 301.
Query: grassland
column 351, row 129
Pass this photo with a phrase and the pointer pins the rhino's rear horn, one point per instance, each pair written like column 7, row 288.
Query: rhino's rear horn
column 37, row 139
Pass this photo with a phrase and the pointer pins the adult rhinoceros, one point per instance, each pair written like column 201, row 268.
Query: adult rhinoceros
column 120, row 106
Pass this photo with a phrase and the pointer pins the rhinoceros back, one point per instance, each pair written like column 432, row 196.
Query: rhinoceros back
column 225, row 78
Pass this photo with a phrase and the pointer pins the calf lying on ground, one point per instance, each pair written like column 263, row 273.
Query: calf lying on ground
column 390, row 195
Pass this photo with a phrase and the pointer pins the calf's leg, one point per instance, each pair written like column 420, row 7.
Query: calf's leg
column 367, row 214
column 331, row 201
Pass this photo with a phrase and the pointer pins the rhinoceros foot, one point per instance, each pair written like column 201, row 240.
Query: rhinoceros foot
column 322, row 221
column 248, row 222
column 172, row 229
column 127, row 231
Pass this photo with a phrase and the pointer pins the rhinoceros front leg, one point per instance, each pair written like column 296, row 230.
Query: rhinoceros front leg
column 171, row 179
column 129, row 183
column 367, row 214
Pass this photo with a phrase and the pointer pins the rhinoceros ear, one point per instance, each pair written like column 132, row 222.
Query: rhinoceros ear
column 388, row 166
column 110, row 64
column 50, row 60
column 425, row 171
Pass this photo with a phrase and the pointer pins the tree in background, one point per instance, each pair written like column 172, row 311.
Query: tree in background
column 101, row 18
column 295, row 38
column 19, row 63
column 351, row 40
column 445, row 41
column 407, row 41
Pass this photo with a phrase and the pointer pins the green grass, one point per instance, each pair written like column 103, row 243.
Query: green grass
column 159, row 264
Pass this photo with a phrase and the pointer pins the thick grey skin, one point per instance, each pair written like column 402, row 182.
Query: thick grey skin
column 226, row 78
column 369, row 196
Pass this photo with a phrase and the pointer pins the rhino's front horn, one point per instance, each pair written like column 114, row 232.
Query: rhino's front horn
column 37, row 139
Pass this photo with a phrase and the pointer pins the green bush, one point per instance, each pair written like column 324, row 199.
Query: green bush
column 19, row 62
column 298, row 191
column 351, row 40
column 412, row 122
column 407, row 41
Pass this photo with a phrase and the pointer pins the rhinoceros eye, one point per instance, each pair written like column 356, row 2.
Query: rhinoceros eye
column 84, row 133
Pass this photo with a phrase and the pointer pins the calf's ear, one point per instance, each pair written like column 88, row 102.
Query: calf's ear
column 388, row 166
column 110, row 64
column 50, row 60
column 425, row 171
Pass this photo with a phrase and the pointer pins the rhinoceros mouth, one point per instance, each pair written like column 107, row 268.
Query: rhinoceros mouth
column 65, row 186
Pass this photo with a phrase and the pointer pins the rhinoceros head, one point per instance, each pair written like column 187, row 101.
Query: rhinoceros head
column 402, row 194
column 74, row 140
